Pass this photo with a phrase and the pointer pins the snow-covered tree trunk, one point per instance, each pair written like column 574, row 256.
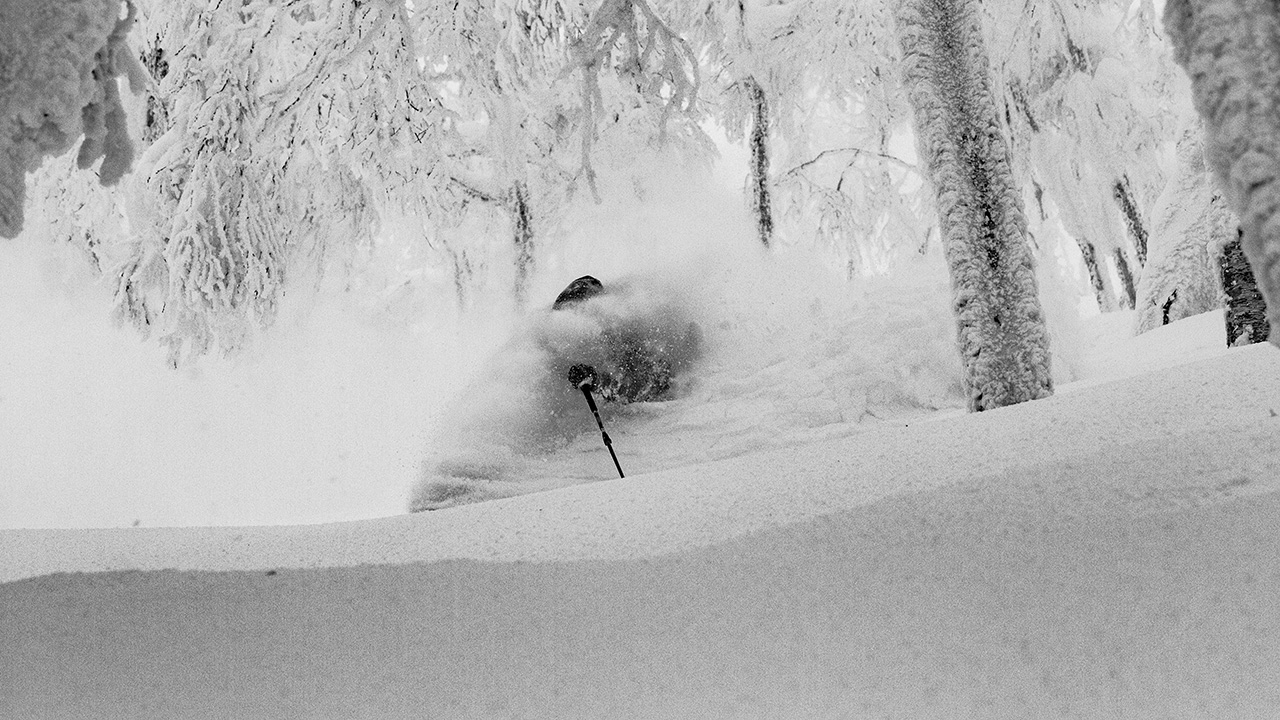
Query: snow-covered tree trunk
column 1231, row 51
column 1097, row 278
column 1003, row 341
column 1246, row 314
column 1132, row 219
column 1126, row 278
column 522, row 233
column 760, row 204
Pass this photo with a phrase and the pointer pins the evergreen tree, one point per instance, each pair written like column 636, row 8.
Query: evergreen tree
column 1003, row 341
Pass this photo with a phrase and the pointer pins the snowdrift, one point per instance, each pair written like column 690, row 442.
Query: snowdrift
column 1109, row 552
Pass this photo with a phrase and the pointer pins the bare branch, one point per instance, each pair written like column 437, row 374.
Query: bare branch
column 855, row 151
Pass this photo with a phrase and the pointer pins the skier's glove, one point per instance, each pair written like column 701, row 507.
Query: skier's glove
column 582, row 377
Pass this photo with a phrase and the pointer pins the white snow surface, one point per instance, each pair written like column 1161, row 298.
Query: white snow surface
column 1108, row 552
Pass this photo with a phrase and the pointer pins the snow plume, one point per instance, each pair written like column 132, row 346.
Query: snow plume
column 521, row 406
column 1002, row 332
column 1231, row 51
column 58, row 68
column 786, row 351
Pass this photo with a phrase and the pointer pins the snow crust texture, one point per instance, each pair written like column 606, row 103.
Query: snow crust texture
column 58, row 68
column 1231, row 51
column 1003, row 340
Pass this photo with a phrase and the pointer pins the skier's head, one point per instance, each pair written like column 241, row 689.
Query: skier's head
column 581, row 289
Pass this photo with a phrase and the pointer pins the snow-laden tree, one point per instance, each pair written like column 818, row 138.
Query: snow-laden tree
column 1086, row 94
column 1231, row 51
column 278, row 135
column 58, row 68
column 289, row 128
column 548, row 92
column 1192, row 225
column 747, row 85
column 809, row 87
column 1004, row 344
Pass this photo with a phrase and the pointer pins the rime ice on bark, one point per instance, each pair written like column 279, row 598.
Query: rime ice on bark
column 58, row 64
column 1231, row 51
column 1003, row 341
column 1126, row 278
column 522, row 220
column 1132, row 218
column 759, row 171
column 1090, row 256
column 1246, row 314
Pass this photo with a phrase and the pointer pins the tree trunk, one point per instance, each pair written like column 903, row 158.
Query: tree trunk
column 1231, row 51
column 1132, row 219
column 1168, row 307
column 1003, row 341
column 1246, row 314
column 1096, row 278
column 522, row 233
column 1126, row 279
column 760, row 204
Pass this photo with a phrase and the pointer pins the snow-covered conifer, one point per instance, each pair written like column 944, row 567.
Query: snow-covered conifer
column 1231, row 51
column 1003, row 341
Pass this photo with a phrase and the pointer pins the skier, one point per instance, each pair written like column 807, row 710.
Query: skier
column 629, row 343
column 637, row 357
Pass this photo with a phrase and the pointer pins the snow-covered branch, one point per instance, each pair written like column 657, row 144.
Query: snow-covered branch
column 58, row 83
column 646, row 47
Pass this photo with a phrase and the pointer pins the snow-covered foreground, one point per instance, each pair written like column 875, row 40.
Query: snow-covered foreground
column 1111, row 552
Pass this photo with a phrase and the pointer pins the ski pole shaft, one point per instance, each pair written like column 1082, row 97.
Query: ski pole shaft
column 591, row 403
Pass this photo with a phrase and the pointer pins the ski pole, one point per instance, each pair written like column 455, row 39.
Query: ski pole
column 583, row 377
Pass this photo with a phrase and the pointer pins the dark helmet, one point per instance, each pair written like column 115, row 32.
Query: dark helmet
column 581, row 289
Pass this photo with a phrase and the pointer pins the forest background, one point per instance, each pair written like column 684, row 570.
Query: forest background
column 448, row 164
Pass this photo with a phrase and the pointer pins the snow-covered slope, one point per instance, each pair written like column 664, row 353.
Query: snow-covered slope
column 1109, row 552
